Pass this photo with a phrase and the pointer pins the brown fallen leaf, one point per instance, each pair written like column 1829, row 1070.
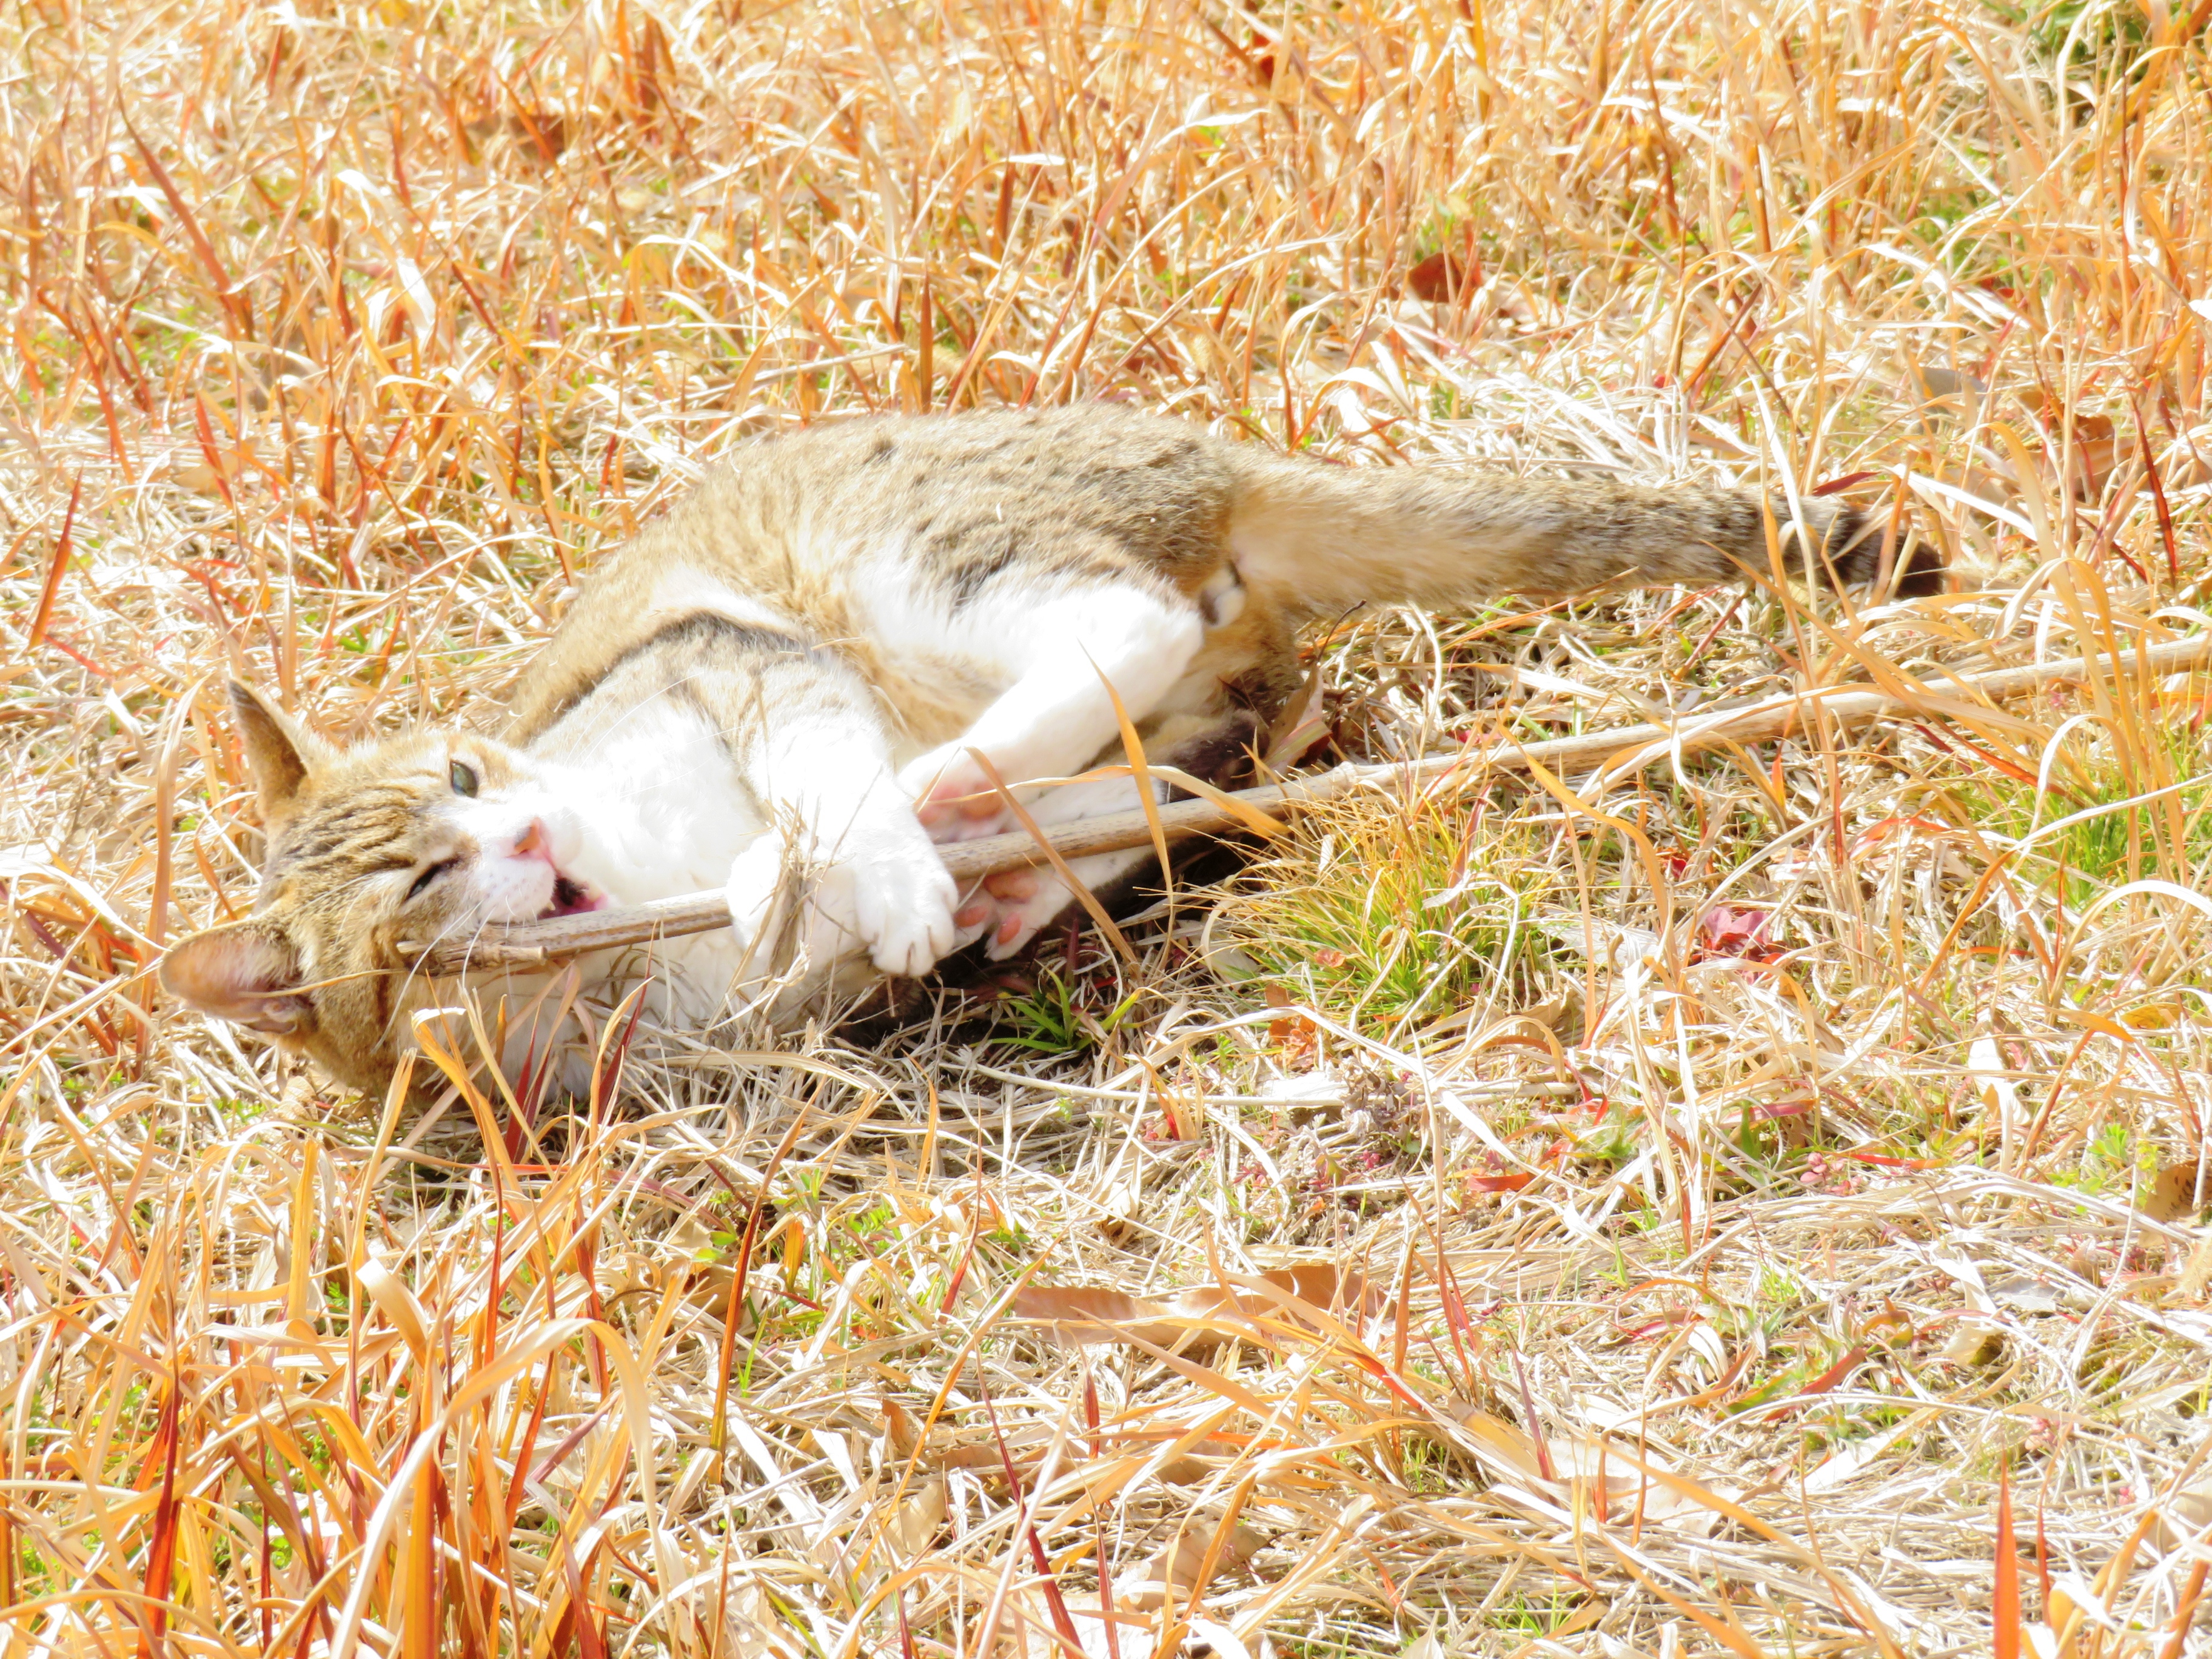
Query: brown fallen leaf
column 396, row 1303
column 2183, row 1515
column 990, row 1458
column 2173, row 1194
column 1608, row 1475
column 1310, row 1296
column 901, row 1431
column 1177, row 1565
column 1498, row 1183
column 2153, row 1016
column 916, row 1527
column 1437, row 279
column 1327, row 1287
column 2091, row 443
column 1293, row 1031
column 1076, row 1304
column 1973, row 1344
column 2197, row 1275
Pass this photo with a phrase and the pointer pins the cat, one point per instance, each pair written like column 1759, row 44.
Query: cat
column 826, row 661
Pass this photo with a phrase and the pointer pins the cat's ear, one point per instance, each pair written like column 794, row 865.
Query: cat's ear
column 246, row 972
column 281, row 750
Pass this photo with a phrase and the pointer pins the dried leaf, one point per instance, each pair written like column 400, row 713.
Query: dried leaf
column 1177, row 1566
column 751, row 1624
column 415, row 295
column 901, row 1431
column 1732, row 931
column 1301, row 727
column 397, row 1303
column 2173, row 1195
column 1294, row 1030
column 2197, row 1275
column 2183, row 1515
column 1437, row 279
column 1079, row 1305
column 1122, row 1202
column 1973, row 1344
column 1497, row 1184
column 793, row 1233
column 2152, row 1017
column 1311, row 1296
column 919, row 1520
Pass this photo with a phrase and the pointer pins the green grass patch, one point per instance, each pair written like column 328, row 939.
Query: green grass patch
column 2109, row 812
column 1390, row 919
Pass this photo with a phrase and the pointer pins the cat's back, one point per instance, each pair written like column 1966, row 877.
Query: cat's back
column 819, row 534
column 953, row 497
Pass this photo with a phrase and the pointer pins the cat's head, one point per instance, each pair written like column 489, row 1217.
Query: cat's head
column 415, row 839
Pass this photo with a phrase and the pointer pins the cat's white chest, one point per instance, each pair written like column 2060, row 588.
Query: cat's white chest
column 661, row 814
column 659, row 804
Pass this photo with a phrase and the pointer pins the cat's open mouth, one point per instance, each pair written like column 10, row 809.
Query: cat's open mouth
column 571, row 898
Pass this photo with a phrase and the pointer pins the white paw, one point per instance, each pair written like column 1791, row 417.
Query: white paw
column 897, row 900
column 755, row 885
column 892, row 900
column 953, row 796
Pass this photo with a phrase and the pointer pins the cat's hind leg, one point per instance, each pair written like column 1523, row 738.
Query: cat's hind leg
column 1014, row 905
column 1058, row 713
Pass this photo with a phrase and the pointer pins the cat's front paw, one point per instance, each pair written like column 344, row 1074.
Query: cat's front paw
column 894, row 900
column 953, row 796
column 898, row 902
column 755, row 896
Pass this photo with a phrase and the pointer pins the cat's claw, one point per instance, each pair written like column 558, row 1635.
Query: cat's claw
column 901, row 906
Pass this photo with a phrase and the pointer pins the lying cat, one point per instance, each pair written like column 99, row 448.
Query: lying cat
column 823, row 658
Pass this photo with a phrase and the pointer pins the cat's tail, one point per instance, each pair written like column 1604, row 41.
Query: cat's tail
column 1318, row 540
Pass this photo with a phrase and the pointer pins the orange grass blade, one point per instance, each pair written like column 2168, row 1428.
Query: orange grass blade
column 2005, row 1631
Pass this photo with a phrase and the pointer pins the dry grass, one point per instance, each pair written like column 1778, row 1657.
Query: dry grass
column 1737, row 1163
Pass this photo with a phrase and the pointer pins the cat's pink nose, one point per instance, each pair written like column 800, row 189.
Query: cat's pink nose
column 531, row 843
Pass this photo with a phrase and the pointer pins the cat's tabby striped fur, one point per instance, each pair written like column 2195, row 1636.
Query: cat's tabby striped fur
column 799, row 664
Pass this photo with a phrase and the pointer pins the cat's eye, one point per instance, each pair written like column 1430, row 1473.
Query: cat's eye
column 423, row 881
column 463, row 778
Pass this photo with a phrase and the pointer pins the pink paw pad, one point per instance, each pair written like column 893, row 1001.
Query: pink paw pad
column 945, row 806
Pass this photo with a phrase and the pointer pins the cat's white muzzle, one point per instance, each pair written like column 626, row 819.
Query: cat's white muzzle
column 523, row 870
